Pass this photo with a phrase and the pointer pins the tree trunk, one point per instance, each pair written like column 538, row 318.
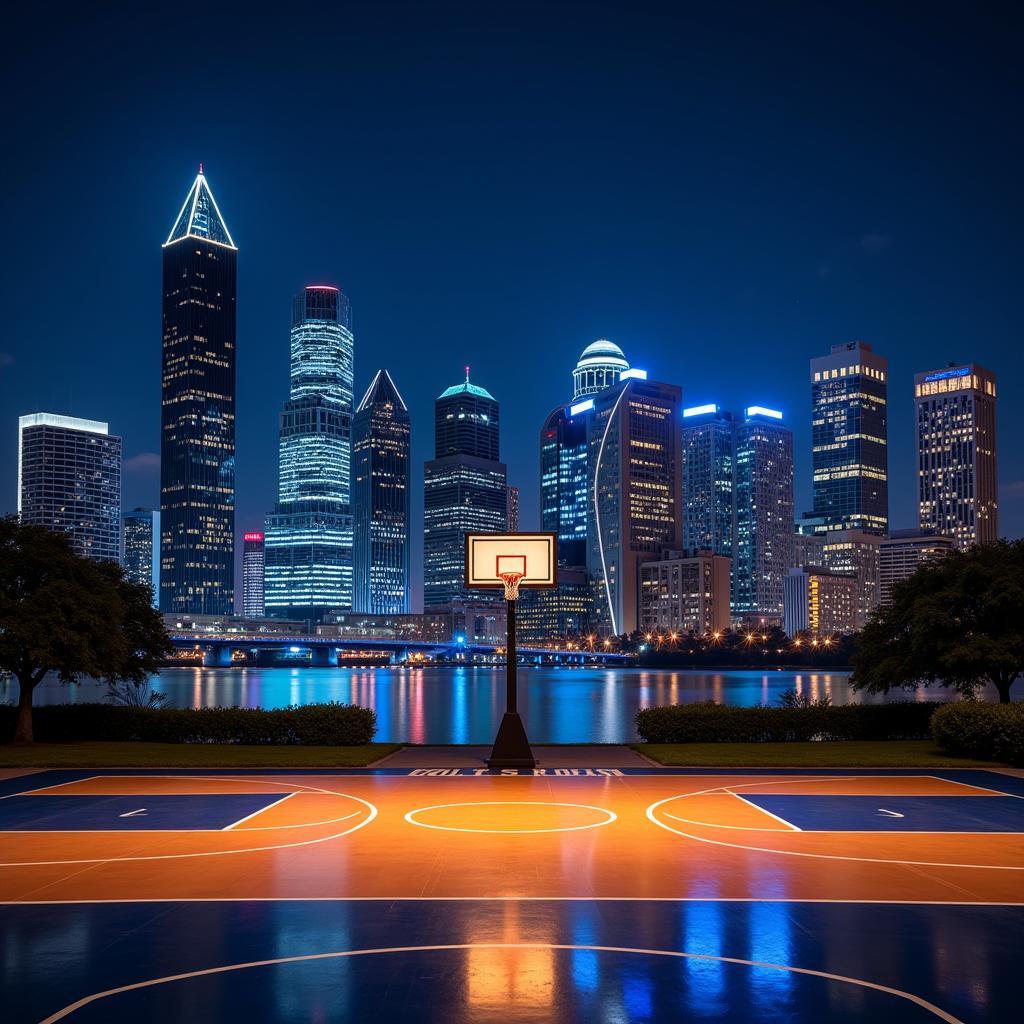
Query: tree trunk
column 1002, row 685
column 23, row 730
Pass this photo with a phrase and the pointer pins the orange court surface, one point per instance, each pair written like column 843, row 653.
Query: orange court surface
column 547, row 895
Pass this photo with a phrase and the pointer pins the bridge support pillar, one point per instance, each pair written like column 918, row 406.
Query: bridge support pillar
column 324, row 657
column 217, row 657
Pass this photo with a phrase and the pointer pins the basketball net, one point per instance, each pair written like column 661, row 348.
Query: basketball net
column 511, row 581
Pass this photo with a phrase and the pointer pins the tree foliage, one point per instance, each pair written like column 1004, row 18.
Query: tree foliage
column 957, row 622
column 62, row 613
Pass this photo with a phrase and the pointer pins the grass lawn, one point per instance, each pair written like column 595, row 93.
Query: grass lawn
column 837, row 754
column 188, row 755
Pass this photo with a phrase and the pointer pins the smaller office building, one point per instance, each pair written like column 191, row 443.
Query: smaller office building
column 689, row 594
column 819, row 602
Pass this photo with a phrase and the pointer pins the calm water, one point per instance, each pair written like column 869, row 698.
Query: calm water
column 463, row 705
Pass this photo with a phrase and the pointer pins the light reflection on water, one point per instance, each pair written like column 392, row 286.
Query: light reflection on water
column 463, row 705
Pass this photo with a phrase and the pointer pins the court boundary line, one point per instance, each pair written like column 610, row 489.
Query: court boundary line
column 801, row 853
column 208, row 853
column 79, row 1004
column 512, row 899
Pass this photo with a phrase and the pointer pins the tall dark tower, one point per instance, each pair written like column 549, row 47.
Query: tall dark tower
column 381, row 434
column 197, row 438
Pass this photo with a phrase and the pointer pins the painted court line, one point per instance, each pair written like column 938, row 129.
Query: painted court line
column 612, row 816
column 219, row 853
column 801, row 853
column 763, row 810
column 260, row 810
column 510, row 899
column 342, row 954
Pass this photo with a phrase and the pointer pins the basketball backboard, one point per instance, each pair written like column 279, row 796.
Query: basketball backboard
column 488, row 555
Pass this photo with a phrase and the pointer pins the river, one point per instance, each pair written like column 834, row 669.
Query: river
column 463, row 705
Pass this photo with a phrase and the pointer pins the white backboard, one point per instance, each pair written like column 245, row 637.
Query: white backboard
column 488, row 554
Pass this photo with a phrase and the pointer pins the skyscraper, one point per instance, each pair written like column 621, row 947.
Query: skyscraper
column 381, row 440
column 69, row 479
column 956, row 452
column 140, row 548
column 635, row 473
column 308, row 536
column 512, row 509
column 600, row 366
column 464, row 491
column 253, row 569
column 709, row 480
column 563, row 481
column 197, row 440
column 764, row 513
column 849, row 438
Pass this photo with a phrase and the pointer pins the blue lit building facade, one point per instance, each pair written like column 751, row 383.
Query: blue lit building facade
column 381, row 440
column 764, row 514
column 140, row 548
column 564, row 490
column 465, row 491
column 197, row 428
column 849, row 437
column 308, row 536
column 709, row 480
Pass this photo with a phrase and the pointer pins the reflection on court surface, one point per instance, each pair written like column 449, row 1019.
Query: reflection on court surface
column 632, row 895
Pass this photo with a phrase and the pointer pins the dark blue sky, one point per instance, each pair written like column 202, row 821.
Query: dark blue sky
column 723, row 190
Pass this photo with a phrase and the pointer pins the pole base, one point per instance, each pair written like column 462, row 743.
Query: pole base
column 511, row 747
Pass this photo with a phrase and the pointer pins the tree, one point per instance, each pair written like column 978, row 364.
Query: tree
column 60, row 612
column 957, row 621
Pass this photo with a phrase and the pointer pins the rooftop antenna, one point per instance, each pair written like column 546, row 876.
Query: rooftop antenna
column 200, row 166
column 467, row 374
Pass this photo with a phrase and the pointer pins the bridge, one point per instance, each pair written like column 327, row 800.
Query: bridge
column 218, row 650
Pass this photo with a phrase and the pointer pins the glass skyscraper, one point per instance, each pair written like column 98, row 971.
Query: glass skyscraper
column 849, row 438
column 956, row 453
column 197, row 441
column 253, row 570
column 764, row 513
column 140, row 549
column 563, row 482
column 465, row 491
column 381, row 440
column 308, row 536
column 634, row 480
column 69, row 479
column 709, row 480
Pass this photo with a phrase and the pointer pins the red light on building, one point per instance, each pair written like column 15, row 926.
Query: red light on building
column 253, row 536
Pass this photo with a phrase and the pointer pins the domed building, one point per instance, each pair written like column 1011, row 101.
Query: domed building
column 600, row 366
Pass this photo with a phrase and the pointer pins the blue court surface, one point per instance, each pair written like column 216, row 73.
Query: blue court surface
column 895, row 813
column 191, row 812
column 588, row 964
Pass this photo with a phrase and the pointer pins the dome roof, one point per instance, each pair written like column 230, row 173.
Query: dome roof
column 604, row 351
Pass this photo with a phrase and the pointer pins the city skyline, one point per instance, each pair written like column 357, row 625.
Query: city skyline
column 724, row 283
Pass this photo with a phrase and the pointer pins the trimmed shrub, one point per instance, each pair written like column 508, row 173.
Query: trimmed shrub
column 719, row 723
column 327, row 725
column 986, row 731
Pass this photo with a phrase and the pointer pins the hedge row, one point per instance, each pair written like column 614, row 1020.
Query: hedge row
column 986, row 731
column 309, row 725
column 718, row 723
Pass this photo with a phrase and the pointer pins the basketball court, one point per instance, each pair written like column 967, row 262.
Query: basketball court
column 600, row 894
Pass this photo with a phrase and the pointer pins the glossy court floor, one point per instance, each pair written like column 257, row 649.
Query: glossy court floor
column 459, row 895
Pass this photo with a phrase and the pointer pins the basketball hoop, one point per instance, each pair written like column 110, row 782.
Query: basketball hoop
column 511, row 580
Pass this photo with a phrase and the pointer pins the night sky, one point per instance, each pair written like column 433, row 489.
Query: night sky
column 723, row 190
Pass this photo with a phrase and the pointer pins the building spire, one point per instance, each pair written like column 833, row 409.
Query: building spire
column 467, row 374
column 200, row 217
